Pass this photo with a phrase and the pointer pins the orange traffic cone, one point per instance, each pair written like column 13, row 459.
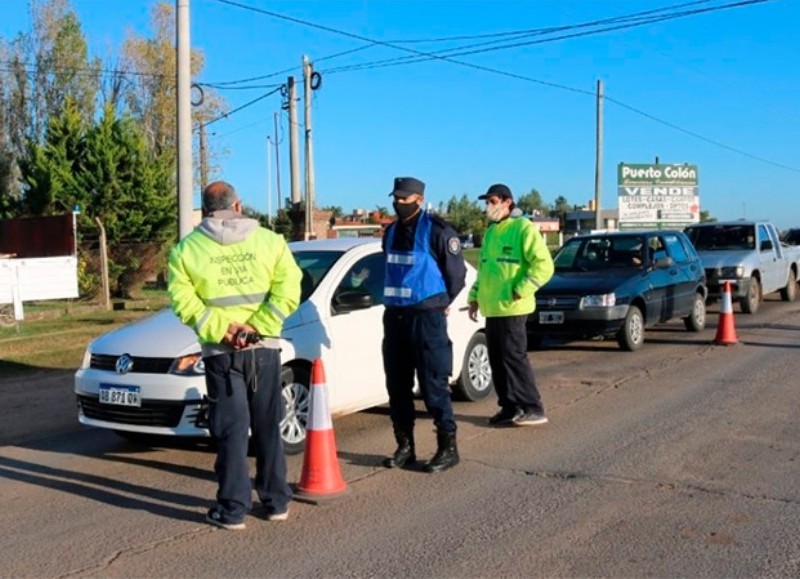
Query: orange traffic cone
column 726, row 333
column 320, row 480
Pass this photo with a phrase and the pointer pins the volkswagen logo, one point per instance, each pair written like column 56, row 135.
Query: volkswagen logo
column 550, row 302
column 124, row 364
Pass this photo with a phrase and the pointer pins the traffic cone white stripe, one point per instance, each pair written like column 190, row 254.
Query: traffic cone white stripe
column 318, row 416
column 726, row 307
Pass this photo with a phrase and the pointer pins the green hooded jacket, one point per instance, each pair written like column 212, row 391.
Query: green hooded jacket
column 514, row 263
column 229, row 269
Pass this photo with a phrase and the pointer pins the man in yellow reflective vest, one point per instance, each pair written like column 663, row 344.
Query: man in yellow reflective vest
column 514, row 263
column 234, row 283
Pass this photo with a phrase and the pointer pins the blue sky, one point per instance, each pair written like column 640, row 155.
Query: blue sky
column 729, row 76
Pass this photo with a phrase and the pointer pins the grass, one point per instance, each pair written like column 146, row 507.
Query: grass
column 471, row 255
column 54, row 335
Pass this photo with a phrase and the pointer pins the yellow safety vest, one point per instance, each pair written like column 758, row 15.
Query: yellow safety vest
column 514, row 260
column 254, row 281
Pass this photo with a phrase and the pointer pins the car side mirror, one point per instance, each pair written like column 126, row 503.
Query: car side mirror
column 766, row 245
column 350, row 301
column 663, row 263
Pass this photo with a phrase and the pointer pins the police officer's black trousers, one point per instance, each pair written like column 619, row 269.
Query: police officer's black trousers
column 417, row 340
column 245, row 392
column 514, row 382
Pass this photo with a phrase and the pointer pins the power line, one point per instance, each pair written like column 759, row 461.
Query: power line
column 220, row 84
column 505, row 35
column 242, row 107
column 33, row 68
column 630, row 21
column 617, row 102
column 546, row 30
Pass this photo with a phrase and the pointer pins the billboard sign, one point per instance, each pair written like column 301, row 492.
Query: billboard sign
column 657, row 196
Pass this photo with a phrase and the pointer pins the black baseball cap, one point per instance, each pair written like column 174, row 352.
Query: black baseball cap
column 499, row 190
column 406, row 186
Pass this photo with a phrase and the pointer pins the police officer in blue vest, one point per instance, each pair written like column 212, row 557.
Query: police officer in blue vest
column 425, row 271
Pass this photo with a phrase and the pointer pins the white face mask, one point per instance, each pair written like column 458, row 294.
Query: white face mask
column 495, row 213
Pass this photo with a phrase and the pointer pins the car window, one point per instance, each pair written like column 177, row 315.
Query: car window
column 762, row 235
column 315, row 266
column 366, row 276
column 675, row 249
column 722, row 237
column 792, row 237
column 596, row 253
column 656, row 249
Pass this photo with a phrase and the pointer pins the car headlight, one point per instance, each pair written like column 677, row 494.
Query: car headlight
column 599, row 301
column 735, row 272
column 191, row 365
column 87, row 359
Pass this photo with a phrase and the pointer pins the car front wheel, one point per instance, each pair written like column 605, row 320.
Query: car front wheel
column 789, row 293
column 475, row 382
column 752, row 300
column 296, row 393
column 631, row 334
column 696, row 321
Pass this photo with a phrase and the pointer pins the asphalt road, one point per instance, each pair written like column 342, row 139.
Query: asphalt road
column 681, row 460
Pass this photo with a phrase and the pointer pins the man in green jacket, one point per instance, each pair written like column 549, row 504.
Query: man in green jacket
column 234, row 283
column 514, row 263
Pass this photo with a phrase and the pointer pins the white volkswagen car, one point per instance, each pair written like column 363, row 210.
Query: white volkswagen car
column 146, row 378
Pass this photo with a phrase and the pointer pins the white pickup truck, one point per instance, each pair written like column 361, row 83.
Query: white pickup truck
column 751, row 256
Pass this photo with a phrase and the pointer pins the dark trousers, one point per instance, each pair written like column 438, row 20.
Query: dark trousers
column 514, row 382
column 245, row 393
column 417, row 340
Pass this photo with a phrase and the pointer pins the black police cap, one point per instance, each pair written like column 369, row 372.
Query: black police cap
column 405, row 186
column 499, row 190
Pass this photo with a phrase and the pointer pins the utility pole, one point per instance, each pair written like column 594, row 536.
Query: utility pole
column 309, row 153
column 184, row 105
column 203, row 158
column 269, row 183
column 598, row 163
column 294, row 163
column 277, row 164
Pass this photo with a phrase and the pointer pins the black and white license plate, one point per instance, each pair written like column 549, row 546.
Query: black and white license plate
column 120, row 395
column 551, row 317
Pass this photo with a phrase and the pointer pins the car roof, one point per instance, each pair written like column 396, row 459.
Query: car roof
column 737, row 222
column 336, row 244
column 629, row 233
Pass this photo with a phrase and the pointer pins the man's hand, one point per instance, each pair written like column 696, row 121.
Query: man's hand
column 230, row 338
column 473, row 311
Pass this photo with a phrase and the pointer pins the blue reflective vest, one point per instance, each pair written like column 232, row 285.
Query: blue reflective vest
column 412, row 276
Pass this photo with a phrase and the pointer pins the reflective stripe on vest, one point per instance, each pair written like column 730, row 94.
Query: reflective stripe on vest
column 412, row 276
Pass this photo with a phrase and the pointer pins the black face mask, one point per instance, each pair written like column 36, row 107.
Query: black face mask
column 405, row 210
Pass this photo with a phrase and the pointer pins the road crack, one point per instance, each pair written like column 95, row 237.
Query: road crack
column 98, row 569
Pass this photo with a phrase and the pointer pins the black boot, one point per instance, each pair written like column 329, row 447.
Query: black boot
column 405, row 450
column 446, row 454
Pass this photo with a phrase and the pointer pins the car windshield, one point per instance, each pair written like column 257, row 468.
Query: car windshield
column 315, row 266
column 600, row 253
column 722, row 237
column 792, row 237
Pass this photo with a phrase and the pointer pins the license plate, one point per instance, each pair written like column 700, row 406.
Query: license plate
column 120, row 395
column 551, row 317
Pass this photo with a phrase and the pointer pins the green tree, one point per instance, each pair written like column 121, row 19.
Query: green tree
column 61, row 67
column 532, row 203
column 464, row 215
column 706, row 216
column 50, row 170
column 43, row 68
column 560, row 206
